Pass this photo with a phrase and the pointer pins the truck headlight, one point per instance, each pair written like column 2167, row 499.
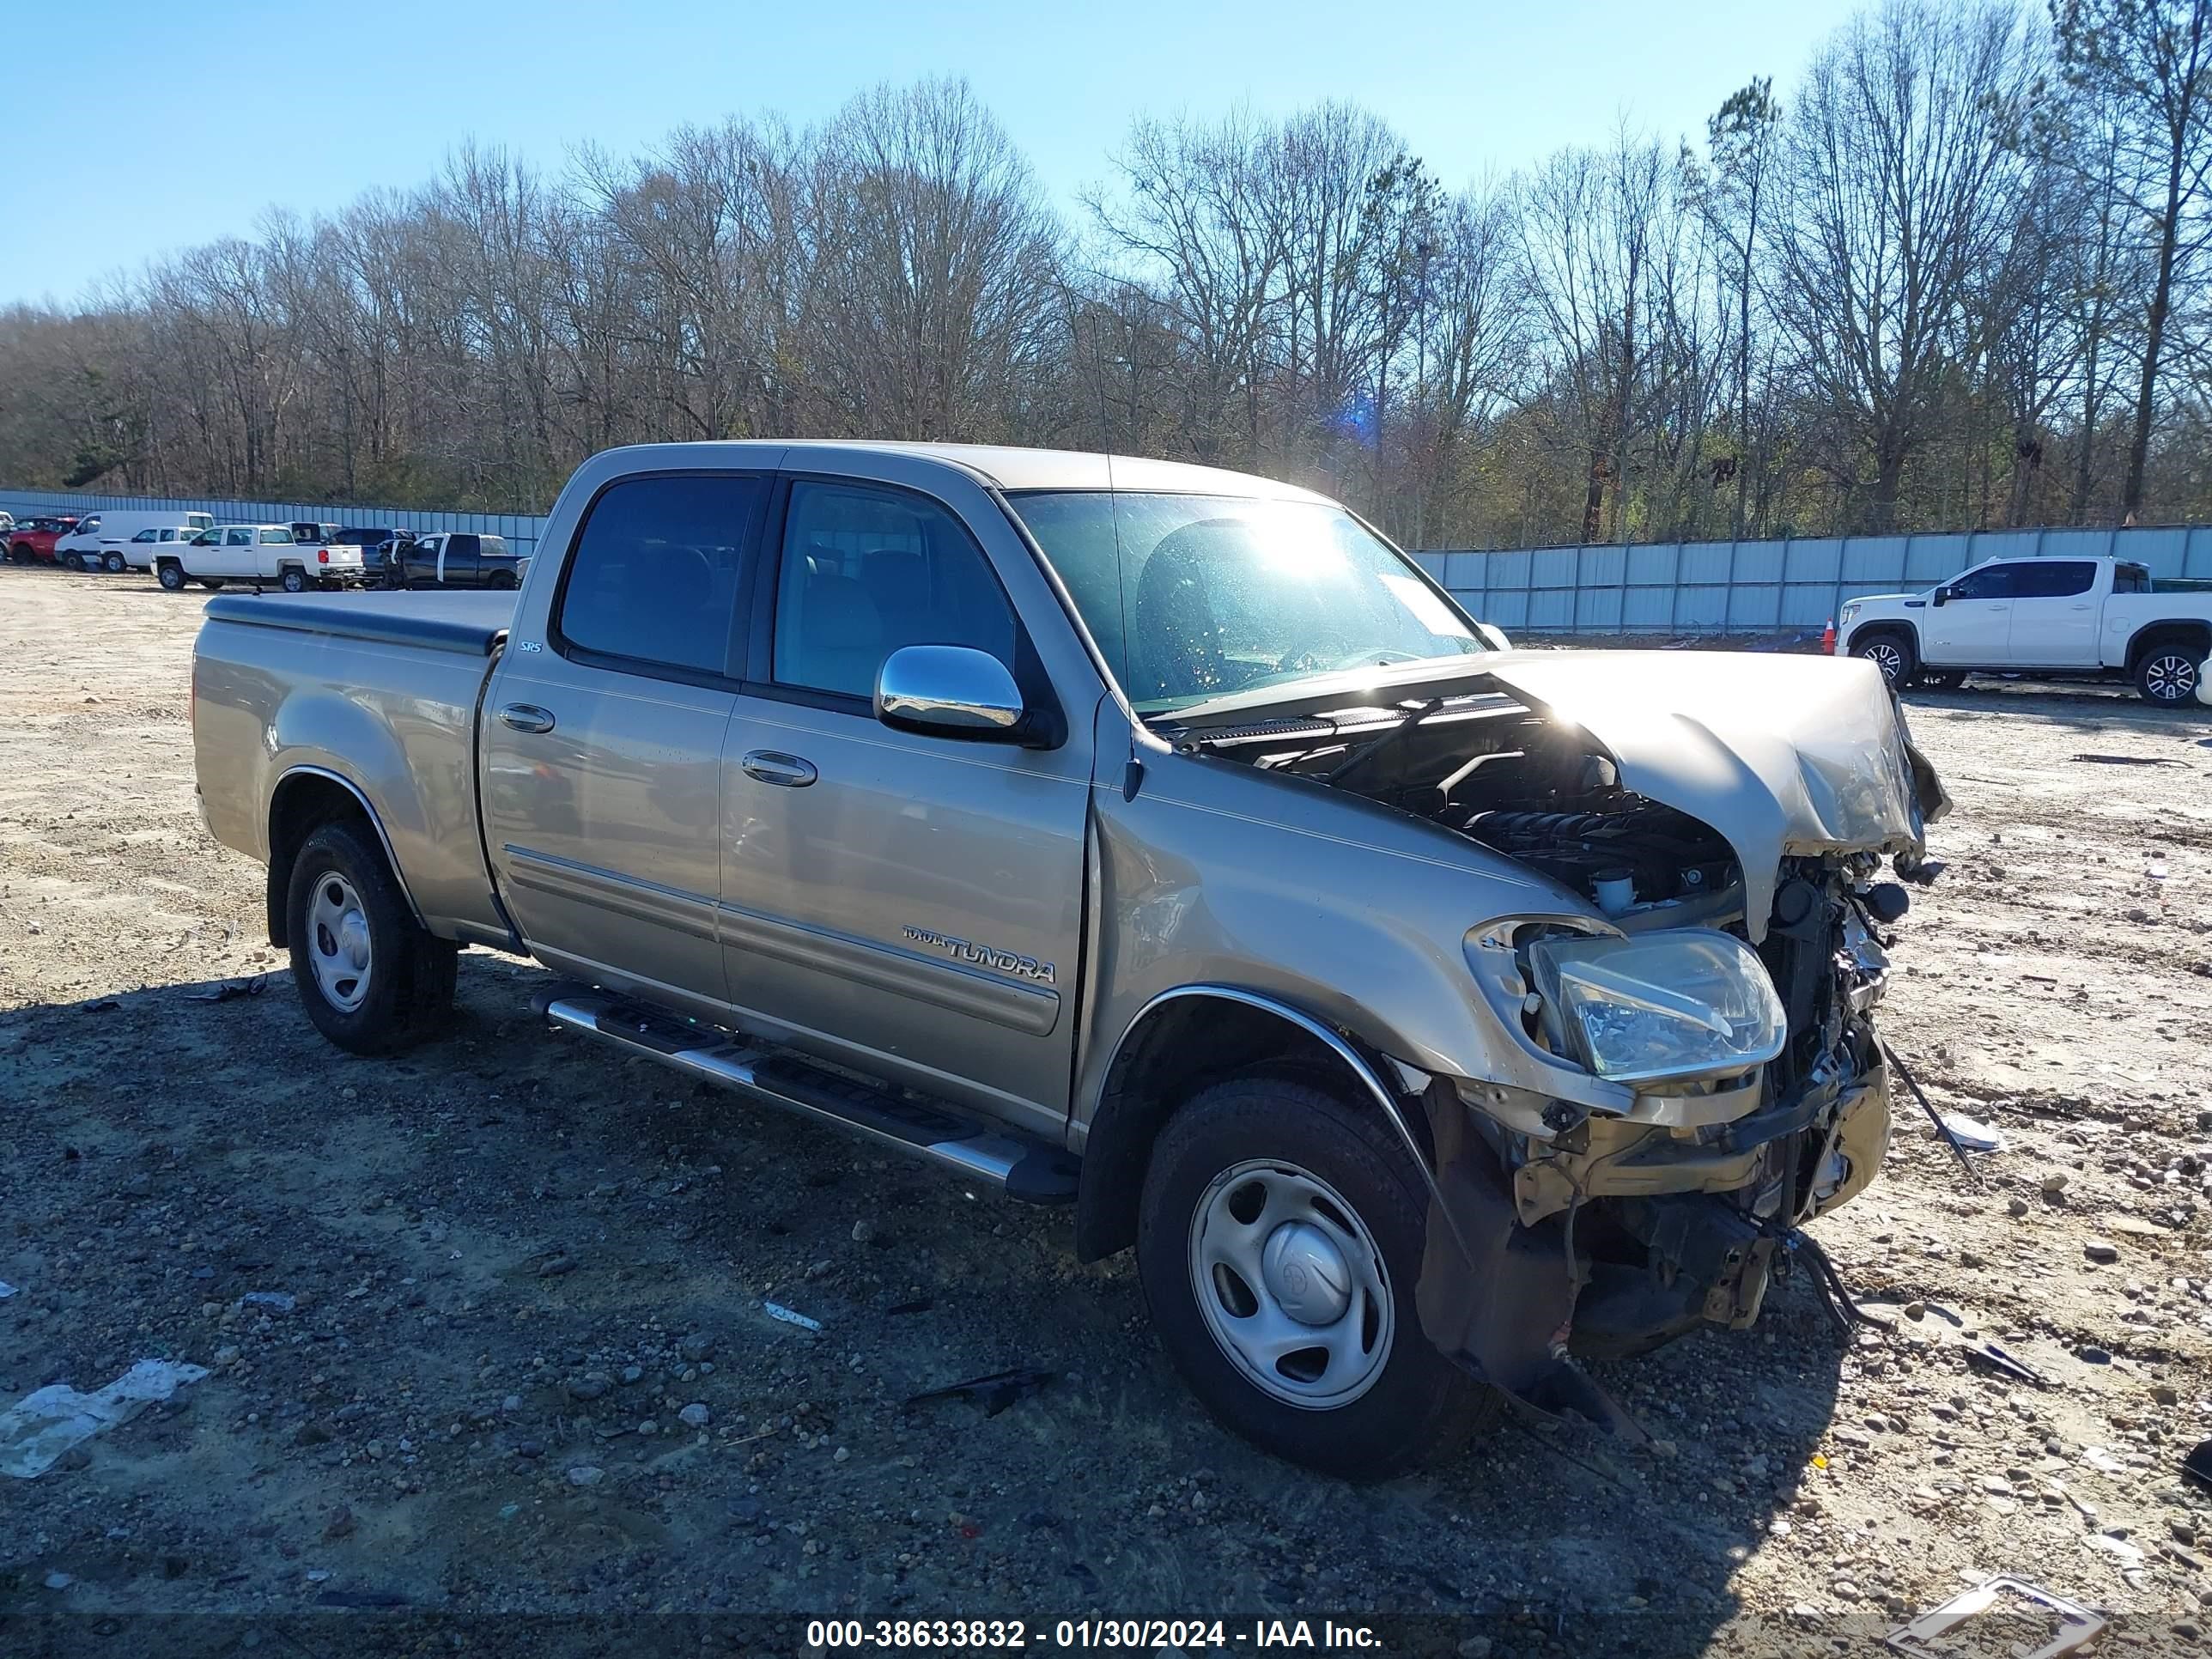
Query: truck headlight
column 1684, row 1003
column 1843, row 617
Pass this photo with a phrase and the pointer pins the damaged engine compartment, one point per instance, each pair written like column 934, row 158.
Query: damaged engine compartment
column 1610, row 1232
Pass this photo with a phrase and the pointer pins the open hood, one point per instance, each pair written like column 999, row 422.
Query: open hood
column 1778, row 754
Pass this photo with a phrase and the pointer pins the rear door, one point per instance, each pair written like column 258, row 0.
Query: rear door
column 1974, row 625
column 233, row 555
column 602, row 748
column 908, row 905
column 2054, row 613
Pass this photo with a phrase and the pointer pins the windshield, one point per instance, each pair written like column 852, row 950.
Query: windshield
column 1194, row 597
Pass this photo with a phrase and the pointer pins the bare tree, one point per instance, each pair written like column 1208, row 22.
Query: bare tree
column 2149, row 63
column 1902, row 187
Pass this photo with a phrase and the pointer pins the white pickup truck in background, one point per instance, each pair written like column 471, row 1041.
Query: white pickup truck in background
column 2047, row 618
column 258, row 554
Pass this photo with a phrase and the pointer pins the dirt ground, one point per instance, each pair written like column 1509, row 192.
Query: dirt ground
column 513, row 1264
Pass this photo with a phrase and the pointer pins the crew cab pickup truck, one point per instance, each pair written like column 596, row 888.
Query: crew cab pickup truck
column 1147, row 837
column 258, row 554
column 2052, row 618
column 459, row 559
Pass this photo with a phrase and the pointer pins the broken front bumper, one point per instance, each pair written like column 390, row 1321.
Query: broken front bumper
column 1622, row 1236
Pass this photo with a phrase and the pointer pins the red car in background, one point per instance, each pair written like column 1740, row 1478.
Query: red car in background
column 34, row 539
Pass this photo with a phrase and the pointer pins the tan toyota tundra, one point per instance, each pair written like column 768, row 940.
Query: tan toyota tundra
column 1428, row 1015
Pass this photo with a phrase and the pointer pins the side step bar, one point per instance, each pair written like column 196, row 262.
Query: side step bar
column 1023, row 1167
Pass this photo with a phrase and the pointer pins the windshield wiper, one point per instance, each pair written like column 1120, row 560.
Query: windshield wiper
column 1367, row 751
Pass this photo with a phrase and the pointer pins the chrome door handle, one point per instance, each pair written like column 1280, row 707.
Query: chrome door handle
column 526, row 717
column 768, row 765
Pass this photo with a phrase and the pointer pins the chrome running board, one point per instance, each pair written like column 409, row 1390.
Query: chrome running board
column 926, row 1128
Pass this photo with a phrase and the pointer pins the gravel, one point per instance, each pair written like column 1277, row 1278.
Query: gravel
column 479, row 1421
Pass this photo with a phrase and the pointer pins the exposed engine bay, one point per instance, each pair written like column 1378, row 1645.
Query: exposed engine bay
column 1607, row 1232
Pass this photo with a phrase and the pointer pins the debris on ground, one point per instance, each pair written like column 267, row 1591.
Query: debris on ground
column 994, row 1393
column 790, row 1316
column 2066, row 1625
column 44, row 1425
column 1972, row 1133
column 228, row 990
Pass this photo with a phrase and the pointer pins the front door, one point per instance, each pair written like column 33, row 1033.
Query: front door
column 1973, row 626
column 2055, row 609
column 602, row 749
column 910, row 906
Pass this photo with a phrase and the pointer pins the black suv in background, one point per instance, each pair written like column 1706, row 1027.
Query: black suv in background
column 383, row 550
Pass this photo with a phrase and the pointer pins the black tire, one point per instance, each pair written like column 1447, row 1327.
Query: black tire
column 293, row 579
column 113, row 563
column 1421, row 1408
column 501, row 580
column 1942, row 679
column 171, row 575
column 212, row 584
column 2168, row 675
column 410, row 973
column 1891, row 652
column 75, row 562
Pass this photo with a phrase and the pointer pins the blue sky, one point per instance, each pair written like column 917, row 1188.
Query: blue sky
column 160, row 124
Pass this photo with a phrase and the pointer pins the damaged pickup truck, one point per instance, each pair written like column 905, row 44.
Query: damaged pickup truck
column 1427, row 1014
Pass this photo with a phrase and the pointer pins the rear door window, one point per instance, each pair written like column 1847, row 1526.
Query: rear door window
column 2053, row 579
column 657, row 573
column 866, row 571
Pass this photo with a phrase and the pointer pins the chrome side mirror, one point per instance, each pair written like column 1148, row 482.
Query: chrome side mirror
column 951, row 691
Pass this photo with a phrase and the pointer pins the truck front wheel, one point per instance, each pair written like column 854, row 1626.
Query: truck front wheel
column 1890, row 652
column 371, row 980
column 171, row 575
column 1279, row 1240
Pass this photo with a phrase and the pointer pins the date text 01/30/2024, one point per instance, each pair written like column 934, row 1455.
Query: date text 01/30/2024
column 1141, row 1634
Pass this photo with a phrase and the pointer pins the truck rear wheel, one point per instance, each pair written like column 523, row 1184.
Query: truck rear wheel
column 2167, row 675
column 293, row 580
column 371, row 980
column 1279, row 1240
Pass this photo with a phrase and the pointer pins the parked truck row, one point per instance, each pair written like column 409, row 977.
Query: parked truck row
column 180, row 550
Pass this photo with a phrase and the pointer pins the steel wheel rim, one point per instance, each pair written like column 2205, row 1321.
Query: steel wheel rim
column 2170, row 678
column 1274, row 1250
column 339, row 943
column 1888, row 659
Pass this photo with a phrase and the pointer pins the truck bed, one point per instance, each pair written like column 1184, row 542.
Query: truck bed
column 472, row 624
column 377, row 692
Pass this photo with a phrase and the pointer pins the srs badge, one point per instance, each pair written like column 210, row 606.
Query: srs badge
column 983, row 955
